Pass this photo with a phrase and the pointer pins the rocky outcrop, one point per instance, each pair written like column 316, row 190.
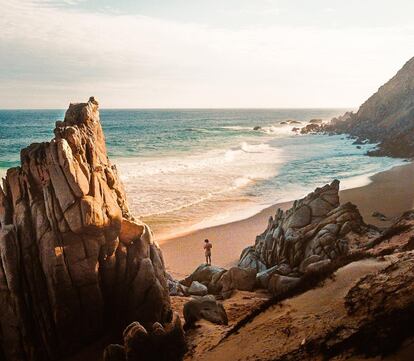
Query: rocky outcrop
column 74, row 262
column 387, row 117
column 205, row 274
column 218, row 281
column 311, row 128
column 315, row 229
column 155, row 343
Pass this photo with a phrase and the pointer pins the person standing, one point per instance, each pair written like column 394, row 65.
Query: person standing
column 207, row 248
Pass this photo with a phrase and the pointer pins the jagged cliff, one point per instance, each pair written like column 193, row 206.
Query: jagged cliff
column 316, row 229
column 75, row 263
column 386, row 117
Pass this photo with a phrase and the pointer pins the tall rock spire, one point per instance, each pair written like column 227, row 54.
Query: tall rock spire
column 74, row 261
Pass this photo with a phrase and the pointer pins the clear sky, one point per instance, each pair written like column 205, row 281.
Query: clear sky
column 200, row 53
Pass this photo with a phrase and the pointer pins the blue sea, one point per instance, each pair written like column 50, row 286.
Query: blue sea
column 192, row 168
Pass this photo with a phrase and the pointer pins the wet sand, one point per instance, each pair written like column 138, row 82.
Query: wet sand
column 390, row 192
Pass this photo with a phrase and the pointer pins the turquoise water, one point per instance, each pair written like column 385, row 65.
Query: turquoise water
column 191, row 168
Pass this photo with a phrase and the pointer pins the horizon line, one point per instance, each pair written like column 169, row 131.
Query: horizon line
column 193, row 108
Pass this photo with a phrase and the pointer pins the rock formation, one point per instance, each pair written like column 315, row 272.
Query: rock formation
column 74, row 261
column 387, row 117
column 155, row 343
column 314, row 230
column 207, row 279
column 311, row 128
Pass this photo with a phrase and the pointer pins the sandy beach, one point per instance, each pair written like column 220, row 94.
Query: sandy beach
column 390, row 192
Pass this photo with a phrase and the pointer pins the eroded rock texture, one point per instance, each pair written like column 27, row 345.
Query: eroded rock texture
column 74, row 261
column 154, row 343
column 313, row 230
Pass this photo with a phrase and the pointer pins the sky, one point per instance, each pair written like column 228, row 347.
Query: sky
column 200, row 53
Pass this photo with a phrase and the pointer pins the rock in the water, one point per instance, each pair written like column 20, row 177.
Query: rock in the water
column 197, row 289
column 257, row 127
column 204, row 308
column 311, row 128
column 74, row 262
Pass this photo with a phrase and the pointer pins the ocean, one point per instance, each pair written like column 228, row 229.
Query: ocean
column 193, row 168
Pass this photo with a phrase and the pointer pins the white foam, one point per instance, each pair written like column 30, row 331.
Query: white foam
column 274, row 130
column 167, row 184
column 237, row 127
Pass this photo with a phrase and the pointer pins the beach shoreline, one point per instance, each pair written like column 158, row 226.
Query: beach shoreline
column 390, row 192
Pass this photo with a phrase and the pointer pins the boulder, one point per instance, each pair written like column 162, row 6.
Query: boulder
column 197, row 289
column 236, row 278
column 203, row 274
column 204, row 308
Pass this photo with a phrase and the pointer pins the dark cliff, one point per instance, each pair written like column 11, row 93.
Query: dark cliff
column 387, row 117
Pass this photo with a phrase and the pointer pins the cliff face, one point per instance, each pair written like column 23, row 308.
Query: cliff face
column 74, row 261
column 386, row 117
